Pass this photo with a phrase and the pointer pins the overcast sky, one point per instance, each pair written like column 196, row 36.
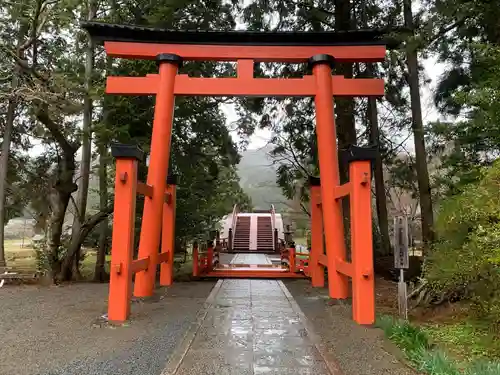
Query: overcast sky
column 261, row 137
column 433, row 71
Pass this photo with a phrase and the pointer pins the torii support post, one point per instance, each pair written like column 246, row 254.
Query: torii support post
column 317, row 259
column 122, row 247
column 210, row 255
column 196, row 260
column 361, row 267
column 362, row 273
column 292, row 257
column 329, row 172
column 168, row 233
column 157, row 172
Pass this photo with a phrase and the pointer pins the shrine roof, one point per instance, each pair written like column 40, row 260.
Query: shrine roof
column 102, row 32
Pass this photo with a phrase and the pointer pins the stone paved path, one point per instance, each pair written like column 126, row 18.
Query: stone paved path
column 243, row 258
column 249, row 327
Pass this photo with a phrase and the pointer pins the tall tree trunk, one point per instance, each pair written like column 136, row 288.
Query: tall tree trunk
column 424, row 187
column 59, row 199
column 374, row 139
column 380, row 193
column 100, row 270
column 6, row 142
column 4, row 164
column 344, row 110
column 83, row 185
column 100, row 274
column 85, row 228
column 61, row 189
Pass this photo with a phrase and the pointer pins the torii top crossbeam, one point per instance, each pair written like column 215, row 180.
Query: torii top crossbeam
column 245, row 48
column 279, row 46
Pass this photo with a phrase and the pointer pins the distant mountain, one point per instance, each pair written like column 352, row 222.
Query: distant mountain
column 258, row 179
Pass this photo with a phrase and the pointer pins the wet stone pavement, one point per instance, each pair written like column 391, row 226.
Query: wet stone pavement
column 251, row 327
column 242, row 258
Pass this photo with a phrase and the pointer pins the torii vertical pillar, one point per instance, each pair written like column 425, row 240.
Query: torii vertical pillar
column 157, row 172
column 329, row 173
column 120, row 284
column 317, row 269
column 360, row 161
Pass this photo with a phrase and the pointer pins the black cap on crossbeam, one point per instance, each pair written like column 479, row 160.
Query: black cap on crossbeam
column 172, row 179
column 321, row 59
column 357, row 153
column 124, row 151
column 170, row 58
column 314, row 181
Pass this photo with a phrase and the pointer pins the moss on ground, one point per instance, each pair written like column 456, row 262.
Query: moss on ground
column 467, row 340
column 444, row 349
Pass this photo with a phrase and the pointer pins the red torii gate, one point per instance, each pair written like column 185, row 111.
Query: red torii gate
column 170, row 49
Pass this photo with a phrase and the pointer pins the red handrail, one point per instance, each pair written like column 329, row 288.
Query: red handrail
column 273, row 224
column 233, row 223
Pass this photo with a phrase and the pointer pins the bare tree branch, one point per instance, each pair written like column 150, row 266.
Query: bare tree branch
column 39, row 20
column 444, row 30
column 43, row 116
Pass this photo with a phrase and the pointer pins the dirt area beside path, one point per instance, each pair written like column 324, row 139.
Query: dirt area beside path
column 359, row 350
column 57, row 330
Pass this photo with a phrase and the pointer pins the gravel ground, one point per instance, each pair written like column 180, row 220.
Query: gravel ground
column 358, row 350
column 56, row 330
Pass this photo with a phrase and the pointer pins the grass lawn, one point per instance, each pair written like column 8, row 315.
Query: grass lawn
column 22, row 259
column 441, row 340
column 454, row 328
column 465, row 339
column 300, row 241
column 444, row 349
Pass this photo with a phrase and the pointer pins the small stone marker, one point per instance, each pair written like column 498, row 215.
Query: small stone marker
column 401, row 261
column 401, row 256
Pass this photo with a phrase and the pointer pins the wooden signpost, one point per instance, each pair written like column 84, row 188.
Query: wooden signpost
column 401, row 261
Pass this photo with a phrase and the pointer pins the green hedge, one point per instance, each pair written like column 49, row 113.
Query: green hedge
column 465, row 260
